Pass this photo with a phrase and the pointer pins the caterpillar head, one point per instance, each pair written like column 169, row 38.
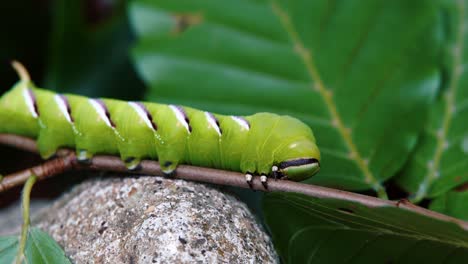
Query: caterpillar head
column 298, row 157
column 302, row 162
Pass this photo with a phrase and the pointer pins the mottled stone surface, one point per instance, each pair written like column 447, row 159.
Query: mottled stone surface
column 155, row 220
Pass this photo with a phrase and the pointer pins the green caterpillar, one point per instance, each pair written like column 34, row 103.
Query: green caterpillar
column 261, row 144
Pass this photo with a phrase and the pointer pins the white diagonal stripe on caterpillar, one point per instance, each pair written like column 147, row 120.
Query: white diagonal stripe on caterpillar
column 213, row 122
column 242, row 122
column 142, row 114
column 62, row 105
column 100, row 111
column 29, row 100
column 180, row 116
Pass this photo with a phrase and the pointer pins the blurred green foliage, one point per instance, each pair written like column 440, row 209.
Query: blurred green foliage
column 89, row 50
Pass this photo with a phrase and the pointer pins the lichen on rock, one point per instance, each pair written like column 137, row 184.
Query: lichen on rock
column 155, row 220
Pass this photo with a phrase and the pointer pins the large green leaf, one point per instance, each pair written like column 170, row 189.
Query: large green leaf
column 360, row 73
column 91, row 57
column 313, row 230
column 453, row 203
column 441, row 159
column 40, row 248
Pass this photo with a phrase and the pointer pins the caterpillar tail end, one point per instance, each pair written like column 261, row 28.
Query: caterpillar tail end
column 21, row 70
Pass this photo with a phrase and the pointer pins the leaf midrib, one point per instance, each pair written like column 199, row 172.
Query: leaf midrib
column 308, row 60
column 433, row 171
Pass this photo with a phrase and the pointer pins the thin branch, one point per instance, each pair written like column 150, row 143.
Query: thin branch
column 19, row 142
column 66, row 160
column 46, row 170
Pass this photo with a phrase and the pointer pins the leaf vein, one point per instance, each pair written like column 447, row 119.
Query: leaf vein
column 449, row 110
column 308, row 60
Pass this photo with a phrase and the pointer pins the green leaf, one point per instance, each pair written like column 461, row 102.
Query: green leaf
column 326, row 230
column 360, row 73
column 41, row 248
column 91, row 58
column 8, row 248
column 441, row 158
column 453, row 203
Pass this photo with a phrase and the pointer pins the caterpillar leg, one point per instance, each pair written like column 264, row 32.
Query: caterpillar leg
column 248, row 180
column 264, row 181
column 274, row 171
column 132, row 163
column 83, row 156
column 168, row 167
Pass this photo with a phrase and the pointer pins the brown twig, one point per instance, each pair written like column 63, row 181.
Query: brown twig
column 19, row 142
column 66, row 160
column 47, row 169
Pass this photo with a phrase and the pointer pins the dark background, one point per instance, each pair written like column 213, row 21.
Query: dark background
column 62, row 44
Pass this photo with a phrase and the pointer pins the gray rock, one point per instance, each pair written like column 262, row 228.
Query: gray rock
column 155, row 220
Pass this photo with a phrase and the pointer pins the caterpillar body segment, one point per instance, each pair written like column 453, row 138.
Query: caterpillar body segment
column 56, row 126
column 261, row 144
